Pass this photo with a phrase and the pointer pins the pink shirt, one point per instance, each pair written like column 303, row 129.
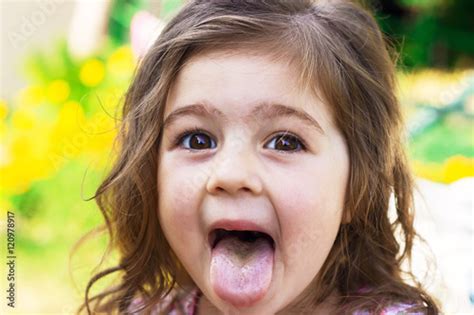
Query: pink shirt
column 188, row 305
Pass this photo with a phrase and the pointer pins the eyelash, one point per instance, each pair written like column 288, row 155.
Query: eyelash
column 179, row 139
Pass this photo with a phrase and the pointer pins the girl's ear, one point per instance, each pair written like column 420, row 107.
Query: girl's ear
column 144, row 30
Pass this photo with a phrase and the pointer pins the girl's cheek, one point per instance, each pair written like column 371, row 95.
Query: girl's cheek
column 178, row 176
column 183, row 184
column 307, row 205
column 180, row 193
column 177, row 210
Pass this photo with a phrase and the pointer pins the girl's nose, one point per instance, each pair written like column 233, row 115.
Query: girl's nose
column 234, row 170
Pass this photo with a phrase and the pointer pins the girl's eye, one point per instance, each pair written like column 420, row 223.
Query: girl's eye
column 287, row 142
column 195, row 140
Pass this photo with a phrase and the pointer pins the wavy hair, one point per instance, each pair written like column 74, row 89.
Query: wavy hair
column 341, row 52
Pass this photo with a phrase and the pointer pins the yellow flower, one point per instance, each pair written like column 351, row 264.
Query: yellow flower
column 68, row 127
column 3, row 134
column 58, row 91
column 25, row 160
column 4, row 154
column 12, row 182
column 23, row 119
column 92, row 73
column 430, row 171
column 121, row 62
column 5, row 205
column 454, row 168
column 434, row 87
column 3, row 109
column 31, row 95
column 457, row 167
column 103, row 131
column 70, row 118
column 108, row 100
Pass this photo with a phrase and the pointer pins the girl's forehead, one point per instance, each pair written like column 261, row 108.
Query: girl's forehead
column 239, row 63
column 239, row 83
column 243, row 73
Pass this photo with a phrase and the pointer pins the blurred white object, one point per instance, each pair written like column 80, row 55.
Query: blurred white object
column 444, row 218
column 144, row 30
column 88, row 26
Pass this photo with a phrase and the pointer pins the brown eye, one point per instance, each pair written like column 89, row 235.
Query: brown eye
column 197, row 141
column 286, row 142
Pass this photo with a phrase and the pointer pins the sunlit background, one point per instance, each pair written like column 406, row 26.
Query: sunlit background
column 65, row 66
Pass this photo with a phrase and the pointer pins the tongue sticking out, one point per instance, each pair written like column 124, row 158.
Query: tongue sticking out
column 241, row 271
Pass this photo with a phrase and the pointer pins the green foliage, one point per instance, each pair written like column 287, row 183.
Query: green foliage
column 430, row 33
column 120, row 17
column 451, row 136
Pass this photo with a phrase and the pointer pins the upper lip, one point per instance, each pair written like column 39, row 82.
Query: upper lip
column 236, row 225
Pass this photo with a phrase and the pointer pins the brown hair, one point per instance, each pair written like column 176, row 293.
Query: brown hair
column 341, row 52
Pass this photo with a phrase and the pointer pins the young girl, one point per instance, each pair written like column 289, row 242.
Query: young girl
column 260, row 145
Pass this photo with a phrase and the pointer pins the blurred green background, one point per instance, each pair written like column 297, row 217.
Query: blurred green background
column 56, row 130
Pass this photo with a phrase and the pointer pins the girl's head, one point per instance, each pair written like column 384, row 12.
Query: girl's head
column 265, row 156
column 274, row 116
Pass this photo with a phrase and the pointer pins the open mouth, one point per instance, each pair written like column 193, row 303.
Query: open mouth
column 245, row 236
column 241, row 265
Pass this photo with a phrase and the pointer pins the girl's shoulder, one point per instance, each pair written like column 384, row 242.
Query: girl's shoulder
column 399, row 309
column 182, row 303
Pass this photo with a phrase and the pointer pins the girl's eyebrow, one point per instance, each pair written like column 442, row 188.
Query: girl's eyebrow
column 260, row 112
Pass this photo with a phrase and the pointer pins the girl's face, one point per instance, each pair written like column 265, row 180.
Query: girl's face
column 234, row 171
